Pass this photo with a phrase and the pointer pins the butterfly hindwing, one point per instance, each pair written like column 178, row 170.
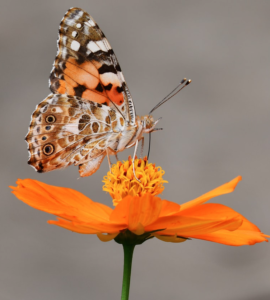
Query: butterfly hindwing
column 87, row 67
column 67, row 130
column 90, row 167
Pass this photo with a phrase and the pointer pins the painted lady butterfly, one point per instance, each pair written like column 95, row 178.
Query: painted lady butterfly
column 90, row 113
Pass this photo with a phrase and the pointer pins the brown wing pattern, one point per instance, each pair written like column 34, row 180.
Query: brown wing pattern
column 67, row 130
column 87, row 67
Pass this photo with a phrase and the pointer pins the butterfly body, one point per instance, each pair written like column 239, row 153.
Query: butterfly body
column 90, row 113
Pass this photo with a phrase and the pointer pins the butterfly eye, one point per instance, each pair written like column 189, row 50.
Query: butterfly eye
column 50, row 119
column 48, row 149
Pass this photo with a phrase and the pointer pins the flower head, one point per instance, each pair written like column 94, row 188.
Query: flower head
column 120, row 182
column 141, row 213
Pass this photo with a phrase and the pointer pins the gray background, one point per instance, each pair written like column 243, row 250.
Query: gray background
column 215, row 129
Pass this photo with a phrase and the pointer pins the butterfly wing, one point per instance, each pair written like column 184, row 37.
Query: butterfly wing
column 86, row 65
column 67, row 130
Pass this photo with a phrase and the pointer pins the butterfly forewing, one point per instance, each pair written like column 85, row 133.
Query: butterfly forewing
column 87, row 67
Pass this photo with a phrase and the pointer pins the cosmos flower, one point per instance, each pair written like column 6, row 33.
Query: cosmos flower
column 139, row 214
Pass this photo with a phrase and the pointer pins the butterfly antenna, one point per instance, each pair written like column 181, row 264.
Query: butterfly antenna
column 184, row 82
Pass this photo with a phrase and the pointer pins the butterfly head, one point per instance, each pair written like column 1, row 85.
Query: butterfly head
column 148, row 123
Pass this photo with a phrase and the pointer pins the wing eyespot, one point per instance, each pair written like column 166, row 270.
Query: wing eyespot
column 50, row 119
column 48, row 149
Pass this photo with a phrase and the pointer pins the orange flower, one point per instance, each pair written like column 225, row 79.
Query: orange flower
column 140, row 212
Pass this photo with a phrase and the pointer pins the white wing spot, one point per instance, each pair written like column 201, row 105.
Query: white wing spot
column 92, row 46
column 90, row 23
column 101, row 45
column 106, row 43
column 86, row 30
column 75, row 45
column 74, row 33
column 58, row 109
column 78, row 25
column 120, row 76
column 64, row 40
column 64, row 53
column 73, row 128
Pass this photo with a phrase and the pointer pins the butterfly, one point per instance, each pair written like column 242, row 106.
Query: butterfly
column 90, row 113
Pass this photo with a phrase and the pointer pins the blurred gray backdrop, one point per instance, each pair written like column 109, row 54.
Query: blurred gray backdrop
column 215, row 129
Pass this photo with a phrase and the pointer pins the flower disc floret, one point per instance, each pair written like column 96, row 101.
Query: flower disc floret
column 120, row 182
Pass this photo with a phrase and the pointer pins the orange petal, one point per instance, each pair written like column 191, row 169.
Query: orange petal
column 138, row 229
column 221, row 190
column 247, row 225
column 189, row 227
column 137, row 212
column 169, row 208
column 106, row 237
column 105, row 227
column 203, row 218
column 27, row 193
column 233, row 238
column 64, row 202
column 210, row 211
column 171, row 239
column 121, row 211
column 90, row 228
column 143, row 211
column 247, row 234
column 71, row 226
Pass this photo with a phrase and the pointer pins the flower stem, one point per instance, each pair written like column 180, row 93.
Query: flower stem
column 128, row 254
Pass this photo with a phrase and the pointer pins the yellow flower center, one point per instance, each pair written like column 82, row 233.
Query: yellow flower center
column 121, row 182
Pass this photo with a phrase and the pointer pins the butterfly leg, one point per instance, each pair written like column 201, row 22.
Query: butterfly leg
column 142, row 146
column 134, row 155
column 108, row 156
column 109, row 161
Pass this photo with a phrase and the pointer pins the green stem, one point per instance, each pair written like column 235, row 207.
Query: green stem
column 128, row 254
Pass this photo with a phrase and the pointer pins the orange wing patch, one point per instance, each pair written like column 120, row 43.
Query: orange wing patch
column 111, row 84
column 84, row 80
